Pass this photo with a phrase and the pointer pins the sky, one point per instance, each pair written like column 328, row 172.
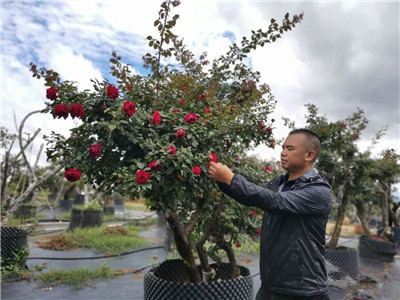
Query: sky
column 344, row 55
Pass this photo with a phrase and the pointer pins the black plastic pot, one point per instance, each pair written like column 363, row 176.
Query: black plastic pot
column 376, row 249
column 65, row 204
column 169, row 281
column 92, row 218
column 345, row 259
column 25, row 211
column 75, row 219
column 13, row 239
column 85, row 218
column 108, row 210
column 79, row 200
column 119, row 201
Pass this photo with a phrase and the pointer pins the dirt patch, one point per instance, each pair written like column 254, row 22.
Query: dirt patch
column 57, row 242
column 115, row 230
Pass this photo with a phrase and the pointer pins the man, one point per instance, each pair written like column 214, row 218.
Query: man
column 296, row 209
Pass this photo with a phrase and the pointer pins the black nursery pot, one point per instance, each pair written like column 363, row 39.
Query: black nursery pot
column 13, row 239
column 169, row 281
column 345, row 259
column 92, row 218
column 25, row 211
column 65, row 204
column 376, row 249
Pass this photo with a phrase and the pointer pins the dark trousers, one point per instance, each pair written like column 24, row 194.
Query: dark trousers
column 263, row 294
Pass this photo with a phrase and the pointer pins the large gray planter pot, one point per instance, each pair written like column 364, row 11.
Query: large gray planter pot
column 376, row 249
column 169, row 281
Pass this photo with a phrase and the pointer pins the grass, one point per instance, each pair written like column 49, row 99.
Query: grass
column 113, row 240
column 76, row 278
column 137, row 204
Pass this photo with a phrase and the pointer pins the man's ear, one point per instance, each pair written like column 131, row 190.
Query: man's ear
column 310, row 155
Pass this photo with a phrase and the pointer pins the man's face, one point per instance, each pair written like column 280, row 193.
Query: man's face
column 294, row 154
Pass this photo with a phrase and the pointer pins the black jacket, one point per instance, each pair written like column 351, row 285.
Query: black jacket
column 292, row 245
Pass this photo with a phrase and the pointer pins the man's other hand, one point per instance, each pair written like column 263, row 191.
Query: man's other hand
column 220, row 172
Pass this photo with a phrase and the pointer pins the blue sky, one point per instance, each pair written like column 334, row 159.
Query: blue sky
column 342, row 56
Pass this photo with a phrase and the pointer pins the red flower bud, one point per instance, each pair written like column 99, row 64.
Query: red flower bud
column 61, row 110
column 155, row 165
column 94, row 150
column 112, row 92
column 156, row 117
column 196, row 170
column 190, row 118
column 72, row 175
column 180, row 133
column 129, row 108
column 76, row 110
column 51, row 93
column 142, row 176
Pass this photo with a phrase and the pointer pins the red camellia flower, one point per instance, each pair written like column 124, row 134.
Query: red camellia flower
column 183, row 87
column 61, row 110
column 51, row 93
column 156, row 117
column 261, row 126
column 72, row 175
column 128, row 87
column 142, row 176
column 268, row 169
column 171, row 150
column 213, row 157
column 182, row 101
column 94, row 150
column 155, row 165
column 129, row 108
column 190, row 118
column 238, row 245
column 196, row 170
column 272, row 120
column 112, row 92
column 199, row 97
column 76, row 110
column 252, row 213
column 175, row 111
column 180, row 133
column 269, row 129
column 258, row 232
column 207, row 110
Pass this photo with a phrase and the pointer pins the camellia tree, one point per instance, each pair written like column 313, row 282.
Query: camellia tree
column 156, row 134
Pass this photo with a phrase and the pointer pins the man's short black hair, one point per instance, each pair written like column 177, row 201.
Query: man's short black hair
column 313, row 140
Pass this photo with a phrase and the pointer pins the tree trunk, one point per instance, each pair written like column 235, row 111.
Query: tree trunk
column 227, row 247
column 209, row 272
column 361, row 214
column 184, row 246
column 339, row 222
column 385, row 213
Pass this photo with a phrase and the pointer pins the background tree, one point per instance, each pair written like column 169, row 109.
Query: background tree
column 338, row 158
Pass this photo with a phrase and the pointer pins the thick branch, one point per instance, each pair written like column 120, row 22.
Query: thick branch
column 38, row 181
column 195, row 217
column 227, row 247
column 20, row 139
column 200, row 244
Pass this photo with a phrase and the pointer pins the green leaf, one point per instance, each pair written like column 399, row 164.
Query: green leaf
column 111, row 127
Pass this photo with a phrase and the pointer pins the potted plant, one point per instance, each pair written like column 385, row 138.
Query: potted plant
column 84, row 216
column 385, row 173
column 155, row 135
